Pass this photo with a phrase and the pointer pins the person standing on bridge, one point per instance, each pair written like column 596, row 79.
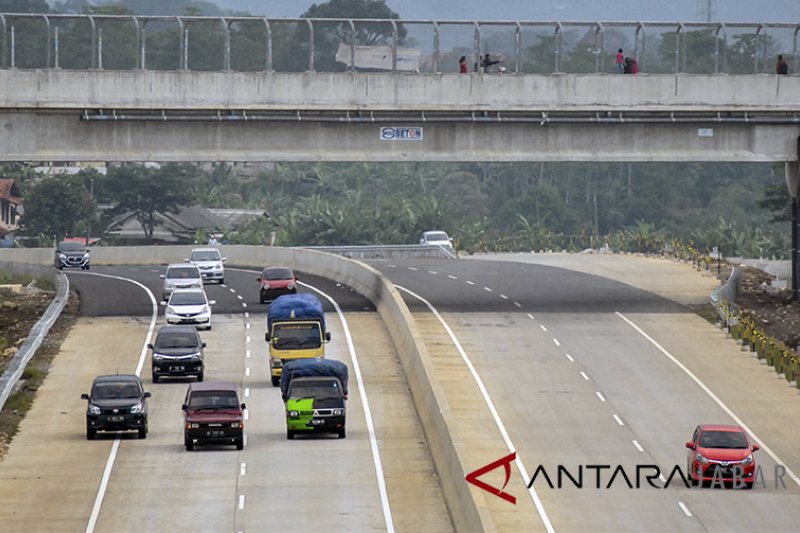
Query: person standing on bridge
column 620, row 61
column 781, row 67
column 462, row 65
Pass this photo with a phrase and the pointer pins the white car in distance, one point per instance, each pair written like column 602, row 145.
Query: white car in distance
column 436, row 238
column 210, row 263
column 180, row 276
column 189, row 306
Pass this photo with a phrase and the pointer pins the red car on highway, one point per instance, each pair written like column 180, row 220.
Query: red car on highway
column 721, row 452
column 276, row 281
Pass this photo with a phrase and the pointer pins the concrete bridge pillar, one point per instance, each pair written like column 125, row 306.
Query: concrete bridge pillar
column 793, row 183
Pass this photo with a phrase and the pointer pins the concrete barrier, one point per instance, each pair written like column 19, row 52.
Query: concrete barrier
column 426, row 391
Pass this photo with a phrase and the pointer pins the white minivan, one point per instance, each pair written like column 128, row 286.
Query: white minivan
column 438, row 238
column 209, row 261
column 180, row 276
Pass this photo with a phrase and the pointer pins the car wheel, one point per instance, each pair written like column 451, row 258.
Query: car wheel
column 143, row 432
column 276, row 380
column 261, row 300
column 290, row 434
column 240, row 444
column 748, row 485
column 91, row 433
column 61, row 267
column 155, row 378
column 222, row 281
column 188, row 444
column 200, row 376
column 342, row 433
column 208, row 328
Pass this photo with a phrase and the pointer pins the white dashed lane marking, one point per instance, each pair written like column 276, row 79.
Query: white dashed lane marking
column 542, row 326
column 518, row 304
column 452, row 276
column 392, row 266
column 619, row 420
column 600, row 396
column 241, row 501
column 243, row 469
column 568, row 356
column 240, row 296
column 244, row 304
column 247, row 339
column 247, row 392
column 555, row 341
column 638, row 446
column 247, row 326
column 584, row 376
column 487, row 289
column 247, row 371
column 684, row 509
column 232, row 290
column 470, row 283
column 246, row 314
column 531, row 316
column 432, row 272
column 247, row 354
column 413, row 268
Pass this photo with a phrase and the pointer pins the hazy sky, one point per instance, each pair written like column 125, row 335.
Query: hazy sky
column 644, row 10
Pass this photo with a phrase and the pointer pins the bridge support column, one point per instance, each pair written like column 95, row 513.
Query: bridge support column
column 793, row 182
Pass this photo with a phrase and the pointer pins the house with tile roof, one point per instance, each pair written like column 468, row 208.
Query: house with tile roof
column 10, row 206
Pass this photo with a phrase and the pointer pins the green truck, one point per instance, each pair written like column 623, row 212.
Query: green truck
column 314, row 392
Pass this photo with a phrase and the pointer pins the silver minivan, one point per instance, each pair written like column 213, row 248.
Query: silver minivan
column 180, row 276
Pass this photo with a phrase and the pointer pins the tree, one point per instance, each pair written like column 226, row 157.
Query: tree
column 55, row 206
column 146, row 191
column 328, row 36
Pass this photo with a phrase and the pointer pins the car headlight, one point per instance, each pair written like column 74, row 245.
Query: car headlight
column 198, row 283
column 700, row 458
column 290, row 286
column 747, row 460
column 293, row 414
column 86, row 255
column 169, row 285
column 194, row 425
column 218, row 266
column 94, row 410
column 170, row 310
column 196, row 356
column 138, row 408
column 265, row 286
column 204, row 309
column 338, row 412
column 62, row 256
column 158, row 357
column 234, row 424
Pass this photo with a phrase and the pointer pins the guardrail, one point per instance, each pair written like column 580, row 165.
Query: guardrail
column 87, row 45
column 427, row 394
column 20, row 360
column 387, row 251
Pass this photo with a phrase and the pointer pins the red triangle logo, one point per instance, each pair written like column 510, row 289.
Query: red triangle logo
column 472, row 477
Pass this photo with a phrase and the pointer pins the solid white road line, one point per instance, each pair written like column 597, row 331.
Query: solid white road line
column 684, row 509
column 490, row 404
column 619, row 420
column 638, row 446
column 373, row 441
column 112, row 456
column 714, row 397
column 584, row 376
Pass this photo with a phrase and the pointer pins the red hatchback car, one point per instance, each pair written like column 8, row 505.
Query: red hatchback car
column 722, row 451
column 276, row 281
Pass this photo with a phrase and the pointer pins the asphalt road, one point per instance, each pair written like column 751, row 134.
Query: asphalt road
column 583, row 369
column 54, row 480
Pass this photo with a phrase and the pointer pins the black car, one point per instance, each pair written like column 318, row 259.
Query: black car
column 71, row 254
column 117, row 403
column 178, row 351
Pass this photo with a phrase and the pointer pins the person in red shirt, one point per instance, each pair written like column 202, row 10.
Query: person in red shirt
column 781, row 67
column 620, row 61
column 462, row 65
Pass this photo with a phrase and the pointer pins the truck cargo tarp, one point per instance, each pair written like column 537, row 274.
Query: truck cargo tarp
column 301, row 306
column 301, row 368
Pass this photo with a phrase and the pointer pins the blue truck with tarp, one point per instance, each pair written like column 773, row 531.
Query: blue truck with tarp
column 314, row 392
column 295, row 330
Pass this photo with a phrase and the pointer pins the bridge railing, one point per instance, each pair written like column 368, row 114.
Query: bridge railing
column 127, row 42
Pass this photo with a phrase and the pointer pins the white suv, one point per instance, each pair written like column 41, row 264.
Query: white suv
column 180, row 276
column 209, row 261
column 438, row 238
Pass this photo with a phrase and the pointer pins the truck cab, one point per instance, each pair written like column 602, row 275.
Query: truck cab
column 295, row 330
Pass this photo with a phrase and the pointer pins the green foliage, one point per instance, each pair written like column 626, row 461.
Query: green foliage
column 147, row 191
column 54, row 206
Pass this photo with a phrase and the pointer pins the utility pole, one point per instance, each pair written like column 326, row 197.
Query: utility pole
column 90, row 217
column 705, row 10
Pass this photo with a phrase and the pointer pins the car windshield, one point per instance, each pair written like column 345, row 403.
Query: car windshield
column 111, row 391
column 187, row 298
column 176, row 340
column 71, row 247
column 319, row 389
column 277, row 273
column 214, row 400
column 205, row 255
column 296, row 336
column 723, row 439
column 436, row 236
column 182, row 273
